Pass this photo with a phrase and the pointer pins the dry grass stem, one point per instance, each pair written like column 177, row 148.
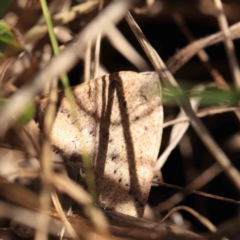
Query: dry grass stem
column 228, row 43
column 125, row 48
column 229, row 228
column 202, row 113
column 87, row 61
column 97, row 55
column 197, row 183
column 202, row 132
column 186, row 53
column 82, row 197
column 28, row 217
column 202, row 54
column 97, row 47
column 34, row 144
column 61, row 234
column 62, row 216
column 82, row 162
column 198, row 216
column 38, row 31
column 46, row 164
column 177, row 133
column 28, row 174
column 139, row 228
column 12, row 191
column 60, row 64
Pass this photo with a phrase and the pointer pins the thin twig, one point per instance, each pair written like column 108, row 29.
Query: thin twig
column 197, row 183
column 193, row 191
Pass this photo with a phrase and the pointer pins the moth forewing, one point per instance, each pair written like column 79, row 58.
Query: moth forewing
column 120, row 117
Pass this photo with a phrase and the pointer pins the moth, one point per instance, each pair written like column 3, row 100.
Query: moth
column 119, row 124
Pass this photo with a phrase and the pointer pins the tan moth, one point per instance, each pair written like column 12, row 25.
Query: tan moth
column 120, row 117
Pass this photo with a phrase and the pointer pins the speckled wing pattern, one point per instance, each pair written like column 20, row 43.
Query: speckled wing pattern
column 120, row 119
